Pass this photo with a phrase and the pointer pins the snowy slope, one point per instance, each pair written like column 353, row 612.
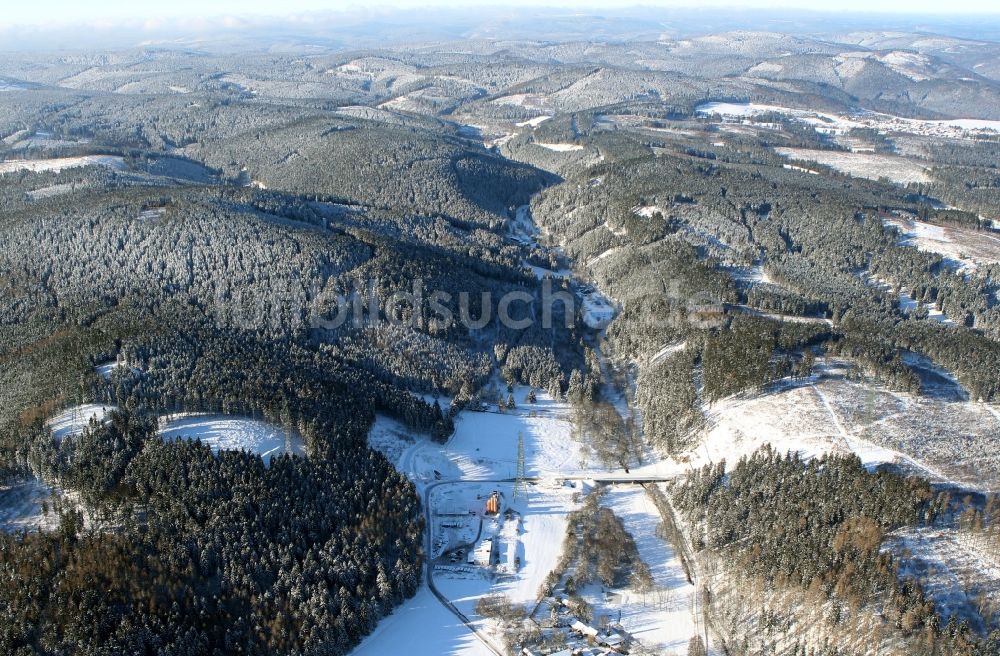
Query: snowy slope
column 73, row 420
column 224, row 433
column 421, row 627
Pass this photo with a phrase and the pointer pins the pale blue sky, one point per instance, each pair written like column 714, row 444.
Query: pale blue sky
column 48, row 12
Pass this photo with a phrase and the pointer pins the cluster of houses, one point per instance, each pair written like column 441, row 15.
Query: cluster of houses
column 581, row 639
column 588, row 641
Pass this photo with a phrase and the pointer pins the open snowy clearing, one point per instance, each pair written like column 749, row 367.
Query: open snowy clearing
column 560, row 147
column 73, row 420
column 598, row 311
column 648, row 211
column 484, row 445
column 422, row 627
column 528, row 101
column 907, row 304
column 750, row 275
column 800, row 169
column 839, row 124
column 224, row 433
column 863, row 165
column 965, row 247
column 744, row 111
column 669, row 349
column 533, row 536
column 943, row 440
column 528, row 542
column 62, row 163
column 23, row 506
column 55, row 190
column 603, row 256
column 533, row 122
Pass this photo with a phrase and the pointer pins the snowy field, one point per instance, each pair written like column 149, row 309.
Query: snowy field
column 73, row 420
column 669, row 349
column 907, row 303
column 528, row 540
column 422, row 626
column 863, row 165
column 533, row 535
column 55, row 190
column 744, row 111
column 23, row 506
column 61, row 163
column 943, row 440
column 560, row 147
column 533, row 122
column 224, row 433
column 839, row 124
column 484, row 445
column 527, row 101
column 598, row 311
column 603, row 256
column 648, row 211
column 965, row 247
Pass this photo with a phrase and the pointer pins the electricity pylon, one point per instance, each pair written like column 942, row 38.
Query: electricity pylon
column 519, row 475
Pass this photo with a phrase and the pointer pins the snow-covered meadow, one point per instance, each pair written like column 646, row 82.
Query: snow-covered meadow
column 225, row 433
column 25, row 506
column 72, row 421
column 422, row 626
column 560, row 147
column 61, row 163
column 533, row 122
column 938, row 436
column 965, row 248
column 863, row 165
column 484, row 445
column 839, row 124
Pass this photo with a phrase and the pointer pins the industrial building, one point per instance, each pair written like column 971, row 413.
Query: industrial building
column 483, row 555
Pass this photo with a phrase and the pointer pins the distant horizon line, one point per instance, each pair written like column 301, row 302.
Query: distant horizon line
column 305, row 17
column 353, row 27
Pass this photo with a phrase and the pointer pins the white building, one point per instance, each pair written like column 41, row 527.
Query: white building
column 482, row 555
